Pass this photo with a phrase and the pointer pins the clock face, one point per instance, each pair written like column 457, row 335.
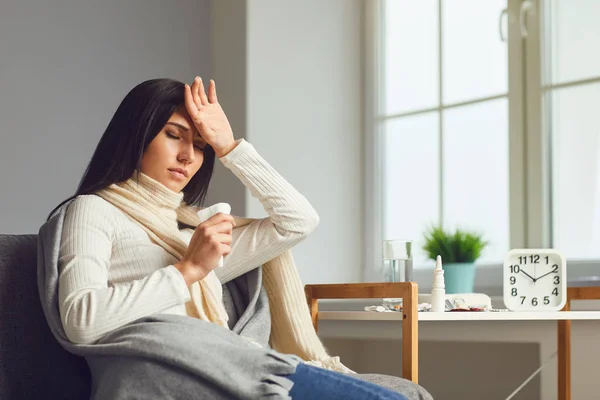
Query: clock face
column 534, row 280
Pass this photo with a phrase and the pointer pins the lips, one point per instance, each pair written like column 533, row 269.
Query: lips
column 179, row 171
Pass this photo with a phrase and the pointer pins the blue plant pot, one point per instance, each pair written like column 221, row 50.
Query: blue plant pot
column 459, row 277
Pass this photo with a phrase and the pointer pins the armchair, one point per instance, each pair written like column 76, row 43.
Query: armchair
column 34, row 365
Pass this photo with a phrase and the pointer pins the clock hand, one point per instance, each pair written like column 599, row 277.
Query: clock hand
column 545, row 274
column 532, row 278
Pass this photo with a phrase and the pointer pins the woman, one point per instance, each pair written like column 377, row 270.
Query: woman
column 131, row 245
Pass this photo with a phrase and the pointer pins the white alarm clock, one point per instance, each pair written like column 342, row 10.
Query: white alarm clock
column 535, row 280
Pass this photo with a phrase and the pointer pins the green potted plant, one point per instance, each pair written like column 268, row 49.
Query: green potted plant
column 459, row 250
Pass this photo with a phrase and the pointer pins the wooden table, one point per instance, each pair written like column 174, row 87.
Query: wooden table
column 564, row 338
column 461, row 316
column 410, row 319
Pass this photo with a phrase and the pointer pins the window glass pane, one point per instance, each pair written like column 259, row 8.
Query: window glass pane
column 475, row 173
column 576, row 171
column 474, row 60
column 411, row 183
column 574, row 28
column 411, row 55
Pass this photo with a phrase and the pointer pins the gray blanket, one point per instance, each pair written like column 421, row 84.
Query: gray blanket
column 169, row 356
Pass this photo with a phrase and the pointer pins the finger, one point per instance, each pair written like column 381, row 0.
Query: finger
column 227, row 218
column 223, row 227
column 224, row 238
column 212, row 92
column 225, row 249
column 189, row 101
column 217, row 219
column 221, row 217
column 216, row 229
column 195, row 94
column 202, row 93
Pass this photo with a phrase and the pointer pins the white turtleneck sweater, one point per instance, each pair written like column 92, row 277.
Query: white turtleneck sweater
column 111, row 273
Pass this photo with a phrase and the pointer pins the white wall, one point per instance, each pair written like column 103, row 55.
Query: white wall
column 65, row 66
column 305, row 117
column 293, row 88
column 228, row 66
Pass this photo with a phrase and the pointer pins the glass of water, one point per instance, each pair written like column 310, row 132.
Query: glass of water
column 397, row 265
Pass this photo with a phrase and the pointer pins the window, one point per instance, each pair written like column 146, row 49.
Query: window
column 483, row 116
column 444, row 120
column 571, row 89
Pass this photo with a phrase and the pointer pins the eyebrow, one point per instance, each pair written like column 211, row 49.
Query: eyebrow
column 184, row 128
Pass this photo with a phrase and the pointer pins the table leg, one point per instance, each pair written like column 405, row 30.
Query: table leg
column 410, row 335
column 564, row 357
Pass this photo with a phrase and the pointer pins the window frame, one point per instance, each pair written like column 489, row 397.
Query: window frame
column 530, row 208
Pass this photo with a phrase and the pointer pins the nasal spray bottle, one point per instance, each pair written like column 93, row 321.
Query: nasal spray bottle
column 438, row 290
column 208, row 212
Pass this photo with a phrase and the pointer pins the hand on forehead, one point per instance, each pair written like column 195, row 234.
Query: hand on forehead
column 182, row 121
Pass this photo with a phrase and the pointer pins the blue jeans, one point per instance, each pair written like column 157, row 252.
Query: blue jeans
column 317, row 383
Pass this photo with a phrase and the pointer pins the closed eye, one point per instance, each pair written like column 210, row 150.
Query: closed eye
column 175, row 137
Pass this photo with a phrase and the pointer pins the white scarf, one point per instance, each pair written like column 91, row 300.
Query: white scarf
column 157, row 209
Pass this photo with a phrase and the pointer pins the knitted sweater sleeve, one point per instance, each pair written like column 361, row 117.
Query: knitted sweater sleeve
column 89, row 306
column 291, row 218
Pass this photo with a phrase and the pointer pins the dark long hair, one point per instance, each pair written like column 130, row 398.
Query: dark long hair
column 140, row 117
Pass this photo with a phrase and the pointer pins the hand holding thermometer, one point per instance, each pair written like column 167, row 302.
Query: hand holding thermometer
column 208, row 212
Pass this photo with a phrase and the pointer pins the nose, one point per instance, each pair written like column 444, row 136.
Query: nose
column 186, row 153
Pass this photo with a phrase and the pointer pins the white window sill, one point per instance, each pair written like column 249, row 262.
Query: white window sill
column 488, row 278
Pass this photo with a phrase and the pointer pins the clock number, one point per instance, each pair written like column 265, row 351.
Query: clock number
column 523, row 260
column 546, row 300
column 555, row 292
column 556, row 279
column 535, row 259
column 514, row 269
column 555, row 268
column 522, row 299
column 547, row 260
column 512, row 280
column 534, row 301
column 513, row 291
